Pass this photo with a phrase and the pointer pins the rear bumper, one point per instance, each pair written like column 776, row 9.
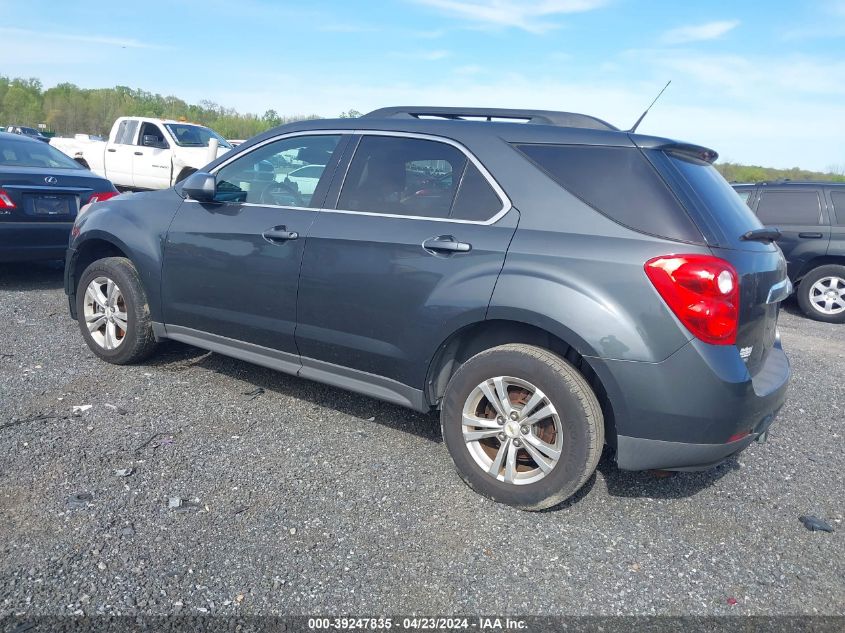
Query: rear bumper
column 693, row 410
column 636, row 453
column 29, row 241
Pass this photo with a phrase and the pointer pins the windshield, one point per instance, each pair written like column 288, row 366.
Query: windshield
column 27, row 153
column 187, row 135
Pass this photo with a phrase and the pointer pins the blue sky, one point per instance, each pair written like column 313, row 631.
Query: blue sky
column 760, row 82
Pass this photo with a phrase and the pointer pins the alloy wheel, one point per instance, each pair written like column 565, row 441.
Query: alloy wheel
column 512, row 430
column 105, row 313
column 827, row 295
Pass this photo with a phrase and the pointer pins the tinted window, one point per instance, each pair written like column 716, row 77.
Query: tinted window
column 476, row 199
column 789, row 207
column 262, row 175
column 25, row 153
column 838, row 198
column 402, row 176
column 720, row 211
column 620, row 183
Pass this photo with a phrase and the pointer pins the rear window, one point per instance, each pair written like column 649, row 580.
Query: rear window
column 789, row 207
column 721, row 213
column 620, row 183
column 26, row 153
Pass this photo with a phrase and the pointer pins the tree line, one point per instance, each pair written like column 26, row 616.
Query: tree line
column 67, row 109
column 735, row 172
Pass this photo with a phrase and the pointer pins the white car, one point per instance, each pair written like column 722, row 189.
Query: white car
column 145, row 153
column 306, row 178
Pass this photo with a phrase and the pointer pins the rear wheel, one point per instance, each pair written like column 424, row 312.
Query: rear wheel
column 523, row 427
column 821, row 294
column 113, row 313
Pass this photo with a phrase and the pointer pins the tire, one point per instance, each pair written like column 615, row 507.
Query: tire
column 574, row 424
column 112, row 342
column 828, row 280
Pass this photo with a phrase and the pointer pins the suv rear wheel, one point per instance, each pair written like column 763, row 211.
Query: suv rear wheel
column 523, row 427
column 821, row 294
column 113, row 313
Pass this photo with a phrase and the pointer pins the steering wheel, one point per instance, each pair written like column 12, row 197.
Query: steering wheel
column 280, row 194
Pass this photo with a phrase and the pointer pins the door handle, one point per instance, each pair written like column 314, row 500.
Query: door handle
column 811, row 236
column 111, row 149
column 279, row 234
column 446, row 244
column 139, row 153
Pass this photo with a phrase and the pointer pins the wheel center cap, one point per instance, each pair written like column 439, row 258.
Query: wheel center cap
column 512, row 429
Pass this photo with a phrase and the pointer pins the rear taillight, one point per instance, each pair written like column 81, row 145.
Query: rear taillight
column 102, row 196
column 6, row 204
column 702, row 291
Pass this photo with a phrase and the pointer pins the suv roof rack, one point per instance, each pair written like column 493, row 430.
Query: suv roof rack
column 505, row 115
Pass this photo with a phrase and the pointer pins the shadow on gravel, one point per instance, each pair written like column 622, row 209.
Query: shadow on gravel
column 660, row 484
column 175, row 357
column 32, row 276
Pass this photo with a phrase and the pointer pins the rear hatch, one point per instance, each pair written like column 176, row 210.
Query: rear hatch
column 724, row 220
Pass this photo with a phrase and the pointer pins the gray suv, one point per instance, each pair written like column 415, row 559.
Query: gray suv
column 810, row 217
column 549, row 283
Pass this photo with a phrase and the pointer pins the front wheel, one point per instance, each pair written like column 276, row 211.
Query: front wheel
column 522, row 425
column 113, row 314
column 821, row 294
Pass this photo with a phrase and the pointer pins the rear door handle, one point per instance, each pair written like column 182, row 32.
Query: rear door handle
column 279, row 234
column 111, row 149
column 811, row 236
column 139, row 153
column 446, row 244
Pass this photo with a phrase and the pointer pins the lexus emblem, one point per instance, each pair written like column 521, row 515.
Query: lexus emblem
column 51, row 180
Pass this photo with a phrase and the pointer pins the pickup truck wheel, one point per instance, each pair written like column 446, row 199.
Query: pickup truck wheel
column 821, row 294
column 523, row 427
column 113, row 312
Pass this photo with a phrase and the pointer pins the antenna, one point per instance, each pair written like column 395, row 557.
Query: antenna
column 642, row 116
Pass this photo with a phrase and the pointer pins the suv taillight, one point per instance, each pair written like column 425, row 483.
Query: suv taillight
column 6, row 203
column 702, row 291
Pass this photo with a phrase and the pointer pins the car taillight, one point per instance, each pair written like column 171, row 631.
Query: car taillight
column 102, row 195
column 6, row 204
column 702, row 291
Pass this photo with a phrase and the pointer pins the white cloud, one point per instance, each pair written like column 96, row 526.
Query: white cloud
column 529, row 15
column 699, row 32
column 82, row 39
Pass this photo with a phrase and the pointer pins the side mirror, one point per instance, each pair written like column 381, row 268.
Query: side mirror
column 200, row 186
column 150, row 140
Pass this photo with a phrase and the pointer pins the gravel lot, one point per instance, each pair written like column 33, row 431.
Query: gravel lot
column 307, row 499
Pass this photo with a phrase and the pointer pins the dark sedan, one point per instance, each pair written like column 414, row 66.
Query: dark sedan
column 41, row 192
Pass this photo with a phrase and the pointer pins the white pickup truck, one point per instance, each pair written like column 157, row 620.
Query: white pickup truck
column 144, row 153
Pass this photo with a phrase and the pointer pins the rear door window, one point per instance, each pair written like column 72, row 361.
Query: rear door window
column 620, row 183
column 838, row 199
column 790, row 207
column 402, row 176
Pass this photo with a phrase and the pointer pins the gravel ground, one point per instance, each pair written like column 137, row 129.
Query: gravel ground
column 307, row 499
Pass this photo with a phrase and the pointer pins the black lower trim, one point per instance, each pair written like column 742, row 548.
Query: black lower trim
column 290, row 363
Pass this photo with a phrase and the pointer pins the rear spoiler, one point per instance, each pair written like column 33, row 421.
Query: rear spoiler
column 687, row 150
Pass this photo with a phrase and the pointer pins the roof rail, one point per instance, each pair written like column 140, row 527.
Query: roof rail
column 542, row 117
